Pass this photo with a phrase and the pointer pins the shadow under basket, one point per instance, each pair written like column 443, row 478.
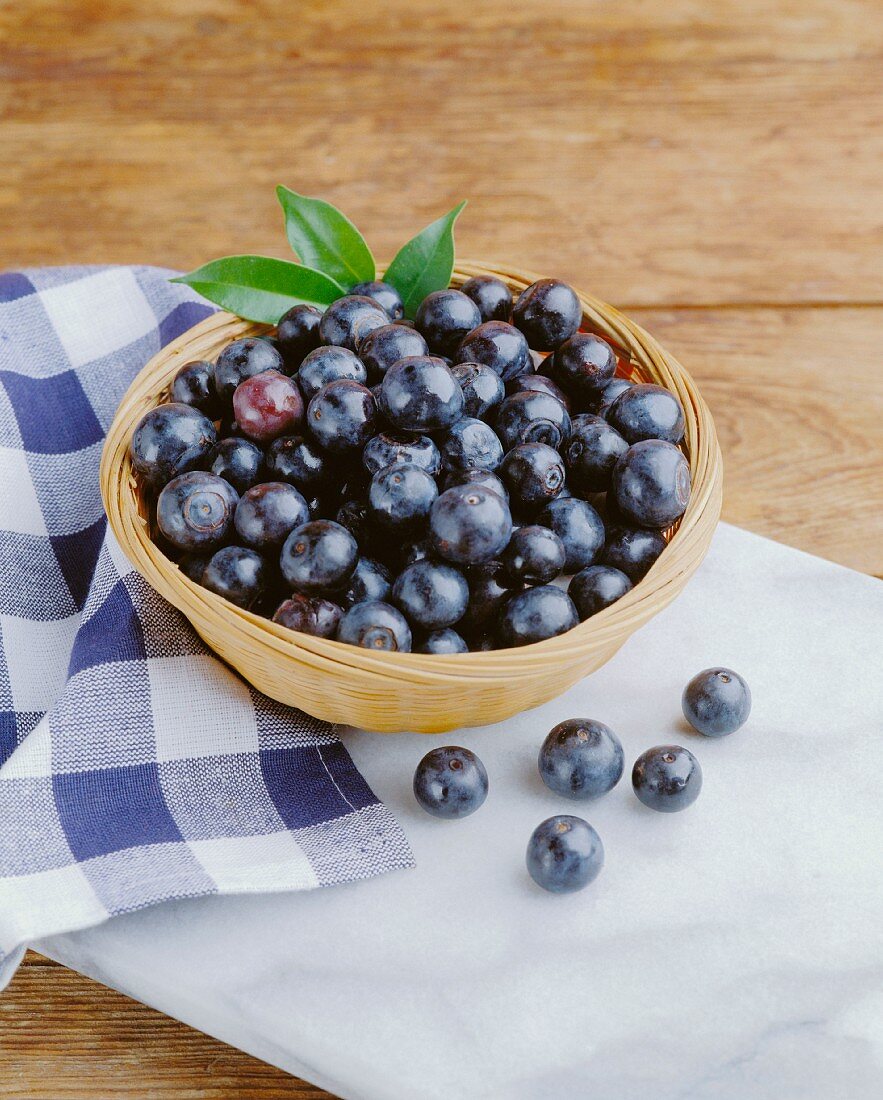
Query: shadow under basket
column 388, row 692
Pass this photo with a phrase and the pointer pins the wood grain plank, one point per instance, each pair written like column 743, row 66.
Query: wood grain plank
column 655, row 153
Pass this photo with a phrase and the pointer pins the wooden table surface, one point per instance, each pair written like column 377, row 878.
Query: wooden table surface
column 712, row 168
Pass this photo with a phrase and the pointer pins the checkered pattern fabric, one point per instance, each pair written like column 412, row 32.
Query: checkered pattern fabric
column 134, row 767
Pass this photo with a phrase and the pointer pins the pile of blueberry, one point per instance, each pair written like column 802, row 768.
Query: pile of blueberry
column 418, row 485
column 582, row 759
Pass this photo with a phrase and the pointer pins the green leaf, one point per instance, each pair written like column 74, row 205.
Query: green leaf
column 425, row 263
column 261, row 288
column 325, row 239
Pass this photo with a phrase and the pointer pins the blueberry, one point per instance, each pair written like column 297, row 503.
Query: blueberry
column 537, row 383
column 319, row 556
column 492, row 296
column 170, row 440
column 647, row 412
column 268, row 405
column 238, row 461
column 536, row 614
column 309, row 615
column 609, row 394
column 387, row 345
column 532, row 417
column 441, row 642
column 581, row 758
column 243, row 359
column 583, row 366
column 597, row 587
column 297, row 334
column 238, row 574
column 266, row 513
column 716, row 702
column 194, row 384
column 328, row 364
column 483, row 389
column 355, row 517
column 400, row 497
column 651, row 484
column 375, row 625
column 564, row 854
column 298, row 461
column 342, row 416
column 535, row 555
column 389, row 447
column 469, row 524
column 667, row 778
column 632, row 550
column 420, row 394
column 534, row 475
column 476, row 476
column 370, row 581
column 193, row 565
column 384, row 294
column 579, row 527
column 450, row 782
column 548, row 312
column 444, row 318
column 328, row 616
column 348, row 321
column 471, row 445
column 489, row 590
column 591, row 453
column 497, row 345
column 431, row 594
column 195, row 511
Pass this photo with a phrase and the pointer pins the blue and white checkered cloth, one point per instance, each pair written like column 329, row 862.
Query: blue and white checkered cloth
column 134, row 767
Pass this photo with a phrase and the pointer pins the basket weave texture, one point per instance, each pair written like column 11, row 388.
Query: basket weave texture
column 389, row 692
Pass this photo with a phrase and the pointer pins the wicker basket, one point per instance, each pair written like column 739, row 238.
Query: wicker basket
column 398, row 691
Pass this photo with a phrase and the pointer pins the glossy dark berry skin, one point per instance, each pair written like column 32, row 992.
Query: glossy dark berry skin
column 243, row 359
column 450, row 782
column 581, row 759
column 667, row 778
column 194, row 384
column 583, row 366
column 267, row 512
column 534, row 475
column 498, row 345
column 268, row 405
column 489, row 591
column 419, row 394
column 591, row 453
column 536, row 614
column 300, row 462
column 535, row 555
column 309, row 615
column 400, row 497
column 328, row 364
column 444, row 317
column 469, row 524
column 375, row 625
column 476, row 476
column 483, row 389
column 716, row 702
column 548, row 312
column 297, row 334
column 609, row 394
column 431, row 594
column 442, row 642
column 580, row 529
column 388, row 448
column 597, row 587
column 193, row 565
column 170, row 440
column 370, row 581
column 537, row 383
column 387, row 345
column 318, row 557
column 632, row 550
column 564, row 854
column 354, row 515
column 384, row 294
column 470, row 444
column 492, row 296
column 238, row 574
column 195, row 511
column 647, row 412
column 342, row 417
column 348, row 321
column 238, row 461
column 532, row 417
column 651, row 484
